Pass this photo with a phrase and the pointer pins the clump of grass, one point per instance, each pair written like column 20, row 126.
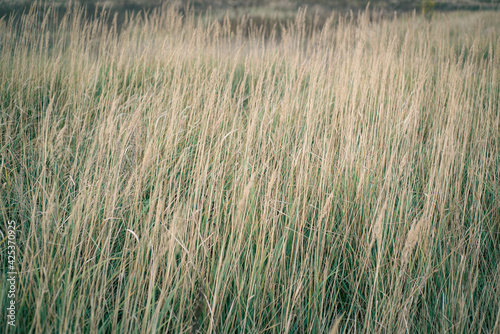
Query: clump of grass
column 177, row 174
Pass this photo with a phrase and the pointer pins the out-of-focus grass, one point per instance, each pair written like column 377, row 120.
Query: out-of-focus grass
column 185, row 175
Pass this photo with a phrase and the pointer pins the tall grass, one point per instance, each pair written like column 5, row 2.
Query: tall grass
column 178, row 174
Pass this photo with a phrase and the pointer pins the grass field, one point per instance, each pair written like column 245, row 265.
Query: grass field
column 183, row 175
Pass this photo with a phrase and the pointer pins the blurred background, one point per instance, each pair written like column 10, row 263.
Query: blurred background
column 263, row 6
column 260, row 12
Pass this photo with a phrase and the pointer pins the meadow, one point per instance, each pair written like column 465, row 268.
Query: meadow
column 180, row 173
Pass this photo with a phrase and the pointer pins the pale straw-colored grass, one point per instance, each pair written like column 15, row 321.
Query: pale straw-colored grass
column 178, row 174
